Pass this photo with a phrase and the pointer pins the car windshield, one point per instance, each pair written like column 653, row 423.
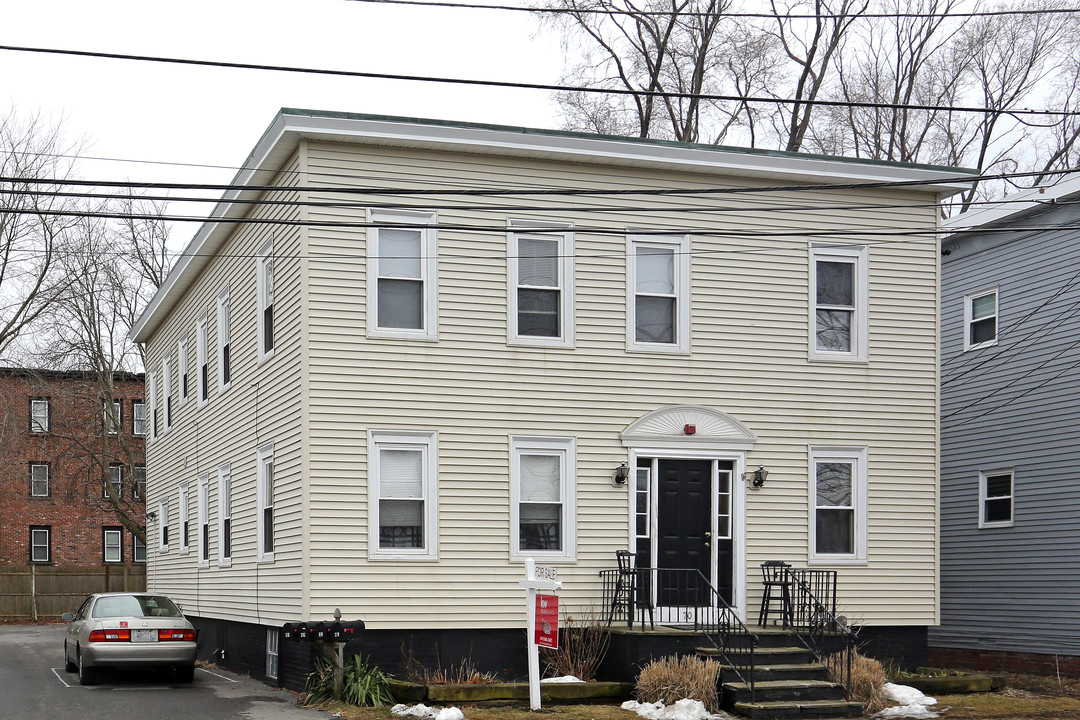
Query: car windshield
column 135, row 606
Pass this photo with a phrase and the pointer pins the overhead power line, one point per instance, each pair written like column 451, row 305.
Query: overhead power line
column 551, row 87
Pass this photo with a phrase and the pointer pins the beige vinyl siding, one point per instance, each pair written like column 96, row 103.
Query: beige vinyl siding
column 233, row 425
column 749, row 349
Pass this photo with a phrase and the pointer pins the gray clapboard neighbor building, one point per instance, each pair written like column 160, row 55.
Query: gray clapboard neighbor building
column 1010, row 456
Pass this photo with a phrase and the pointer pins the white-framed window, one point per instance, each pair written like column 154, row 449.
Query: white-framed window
column 264, row 265
column 658, row 297
column 540, row 277
column 39, row 479
column 185, row 519
column 203, row 510
column 995, row 498
column 981, row 319
column 202, row 359
column 224, row 515
column 116, row 480
column 839, row 291
column 183, row 377
column 543, row 489
column 402, row 266
column 166, row 392
column 112, row 544
column 140, row 481
column 153, row 409
column 40, row 545
column 138, row 550
column 224, row 344
column 264, row 490
column 403, row 485
column 163, row 526
column 273, row 637
column 838, row 504
column 39, row 415
column 111, row 416
column 138, row 415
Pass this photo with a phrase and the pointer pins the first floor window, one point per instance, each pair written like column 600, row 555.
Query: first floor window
column 996, row 498
column 39, row 479
column 40, row 545
column 163, row 526
column 403, row 473
column 265, row 496
column 138, row 550
column 543, row 489
column 224, row 514
column 273, row 636
column 113, row 550
column 838, row 493
column 185, row 519
column 203, row 501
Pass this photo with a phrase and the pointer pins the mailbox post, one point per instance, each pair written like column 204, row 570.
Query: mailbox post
column 331, row 638
column 536, row 578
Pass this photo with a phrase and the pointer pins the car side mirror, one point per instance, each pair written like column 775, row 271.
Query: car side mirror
column 67, row 617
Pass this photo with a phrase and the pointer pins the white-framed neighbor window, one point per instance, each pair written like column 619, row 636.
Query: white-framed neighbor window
column 264, row 264
column 202, row 359
column 163, row 526
column 166, row 392
column 402, row 266
column 39, row 415
column 540, row 284
column 112, row 544
column 111, row 416
column 403, row 486
column 224, row 489
column 658, row 293
column 995, row 498
column 838, row 504
column 138, row 550
column 39, row 479
column 224, row 342
column 981, row 319
column 183, row 376
column 543, row 490
column 203, row 510
column 40, row 545
column 185, row 519
column 273, row 637
column 839, row 293
column 264, row 491
column 138, row 417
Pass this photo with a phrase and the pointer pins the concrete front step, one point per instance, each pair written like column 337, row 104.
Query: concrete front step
column 798, row 673
column 817, row 709
column 782, row 691
column 784, row 655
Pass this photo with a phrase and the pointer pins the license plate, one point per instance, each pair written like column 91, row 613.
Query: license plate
column 144, row 636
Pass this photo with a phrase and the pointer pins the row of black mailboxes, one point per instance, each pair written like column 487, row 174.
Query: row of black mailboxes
column 333, row 631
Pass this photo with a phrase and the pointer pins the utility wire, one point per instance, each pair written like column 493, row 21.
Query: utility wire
column 540, row 86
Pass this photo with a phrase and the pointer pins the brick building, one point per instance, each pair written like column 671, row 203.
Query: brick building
column 59, row 446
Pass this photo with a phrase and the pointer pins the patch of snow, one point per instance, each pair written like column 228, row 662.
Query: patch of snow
column 563, row 679
column 915, row 711
column 682, row 710
column 423, row 711
column 913, row 703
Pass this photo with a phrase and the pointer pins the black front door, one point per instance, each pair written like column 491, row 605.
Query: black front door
column 683, row 531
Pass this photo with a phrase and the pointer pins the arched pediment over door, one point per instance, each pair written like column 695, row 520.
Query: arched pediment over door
column 666, row 428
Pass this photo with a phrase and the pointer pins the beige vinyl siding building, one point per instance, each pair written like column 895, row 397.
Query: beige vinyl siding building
column 455, row 378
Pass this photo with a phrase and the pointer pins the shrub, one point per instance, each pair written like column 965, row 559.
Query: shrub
column 867, row 677
column 583, row 643
column 671, row 679
column 363, row 684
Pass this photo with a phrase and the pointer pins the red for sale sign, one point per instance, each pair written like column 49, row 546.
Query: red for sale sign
column 547, row 621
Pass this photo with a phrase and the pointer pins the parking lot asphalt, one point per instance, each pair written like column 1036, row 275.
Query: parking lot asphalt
column 34, row 686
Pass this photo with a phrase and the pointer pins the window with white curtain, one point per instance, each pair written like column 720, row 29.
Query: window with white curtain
column 543, row 489
column 838, row 292
column 404, row 494
column 838, row 496
column 402, row 294
column 541, row 296
column 658, row 301
column 113, row 548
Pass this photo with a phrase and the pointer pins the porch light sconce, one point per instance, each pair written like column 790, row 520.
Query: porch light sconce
column 757, row 477
column 621, row 474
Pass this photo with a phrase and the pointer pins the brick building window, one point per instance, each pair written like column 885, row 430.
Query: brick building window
column 116, row 479
column 138, row 413
column 138, row 550
column 112, row 544
column 112, row 417
column 39, row 415
column 140, row 482
column 39, row 479
column 40, row 544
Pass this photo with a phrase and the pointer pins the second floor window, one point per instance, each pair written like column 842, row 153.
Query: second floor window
column 996, row 498
column 265, row 290
column 116, row 481
column 981, row 319
column 838, row 291
column 541, row 271
column 659, row 301
column 224, row 342
column 182, row 370
column 112, row 417
column 39, row 415
column 166, row 391
column 402, row 268
column 39, row 479
column 202, row 359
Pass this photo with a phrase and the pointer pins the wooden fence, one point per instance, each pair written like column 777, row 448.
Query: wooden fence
column 42, row 592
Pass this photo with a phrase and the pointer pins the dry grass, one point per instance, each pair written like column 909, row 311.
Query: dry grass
column 867, row 677
column 464, row 673
column 583, row 643
column 673, row 678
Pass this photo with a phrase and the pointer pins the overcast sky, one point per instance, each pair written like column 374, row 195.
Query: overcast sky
column 213, row 116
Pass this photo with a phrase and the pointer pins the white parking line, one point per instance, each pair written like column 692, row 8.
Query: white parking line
column 216, row 675
column 56, row 672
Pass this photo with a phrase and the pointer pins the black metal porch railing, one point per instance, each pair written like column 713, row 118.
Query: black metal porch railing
column 815, row 622
column 681, row 597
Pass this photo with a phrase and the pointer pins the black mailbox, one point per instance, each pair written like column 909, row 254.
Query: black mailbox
column 318, row 631
column 351, row 630
column 288, row 631
column 335, row 631
column 303, row 632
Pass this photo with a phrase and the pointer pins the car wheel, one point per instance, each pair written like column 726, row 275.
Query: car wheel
column 184, row 673
column 68, row 665
column 87, row 676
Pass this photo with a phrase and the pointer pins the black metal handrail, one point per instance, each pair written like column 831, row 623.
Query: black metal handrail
column 682, row 597
column 815, row 622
